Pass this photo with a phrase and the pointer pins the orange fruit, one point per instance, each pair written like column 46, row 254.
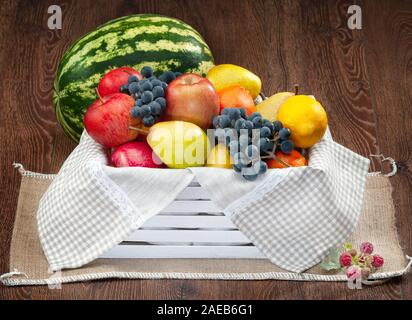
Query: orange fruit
column 236, row 97
column 294, row 159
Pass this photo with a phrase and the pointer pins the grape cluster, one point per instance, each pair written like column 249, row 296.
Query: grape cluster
column 149, row 94
column 251, row 139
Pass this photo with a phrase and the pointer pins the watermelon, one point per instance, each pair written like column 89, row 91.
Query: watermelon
column 160, row 42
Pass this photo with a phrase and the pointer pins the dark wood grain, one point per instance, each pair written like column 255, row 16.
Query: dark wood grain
column 389, row 52
column 362, row 77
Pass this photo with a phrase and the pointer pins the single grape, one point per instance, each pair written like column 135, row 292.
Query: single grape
column 145, row 85
column 243, row 113
column 265, row 132
column 156, row 82
column 284, row 133
column 164, row 85
column 235, row 114
column 147, row 97
column 287, row 146
column 224, row 121
column 145, row 110
column 162, row 102
column 265, row 145
column 249, row 125
column 268, row 124
column 257, row 122
column 177, row 74
column 278, row 125
column 225, row 111
column 167, row 77
column 124, row 89
column 158, row 92
column 238, row 113
column 228, row 112
column 132, row 79
column 260, row 167
column 148, row 120
column 155, row 108
column 252, row 151
column 254, row 115
column 136, row 112
column 146, row 72
column 134, row 88
column 138, row 102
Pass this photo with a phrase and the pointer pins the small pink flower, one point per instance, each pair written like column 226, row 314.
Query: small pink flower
column 345, row 259
column 377, row 261
column 353, row 273
column 366, row 247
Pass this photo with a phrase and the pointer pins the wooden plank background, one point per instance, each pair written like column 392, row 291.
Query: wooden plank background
column 363, row 78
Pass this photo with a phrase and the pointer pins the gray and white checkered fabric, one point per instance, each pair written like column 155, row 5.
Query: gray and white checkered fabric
column 297, row 220
column 292, row 217
column 82, row 214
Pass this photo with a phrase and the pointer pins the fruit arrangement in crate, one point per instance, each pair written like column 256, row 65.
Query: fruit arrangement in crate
column 146, row 88
column 187, row 120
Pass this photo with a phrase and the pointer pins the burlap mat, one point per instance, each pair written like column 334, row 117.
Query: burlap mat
column 28, row 265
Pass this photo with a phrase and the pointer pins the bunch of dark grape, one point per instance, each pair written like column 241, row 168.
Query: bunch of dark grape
column 149, row 94
column 251, row 139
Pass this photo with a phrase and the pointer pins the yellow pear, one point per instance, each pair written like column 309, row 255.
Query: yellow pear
column 228, row 75
column 219, row 157
column 179, row 144
column 269, row 108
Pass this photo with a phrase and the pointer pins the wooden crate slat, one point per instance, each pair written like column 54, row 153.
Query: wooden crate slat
column 182, row 252
column 190, row 227
column 191, row 206
column 209, row 222
column 189, row 236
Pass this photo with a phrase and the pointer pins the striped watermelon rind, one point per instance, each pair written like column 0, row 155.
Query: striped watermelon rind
column 139, row 40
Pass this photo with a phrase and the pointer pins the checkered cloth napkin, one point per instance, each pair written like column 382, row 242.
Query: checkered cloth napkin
column 293, row 216
column 294, row 220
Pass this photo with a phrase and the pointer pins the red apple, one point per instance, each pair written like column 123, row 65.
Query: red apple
column 135, row 154
column 108, row 120
column 192, row 98
column 114, row 79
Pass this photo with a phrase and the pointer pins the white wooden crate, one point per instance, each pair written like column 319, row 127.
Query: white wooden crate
column 190, row 227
